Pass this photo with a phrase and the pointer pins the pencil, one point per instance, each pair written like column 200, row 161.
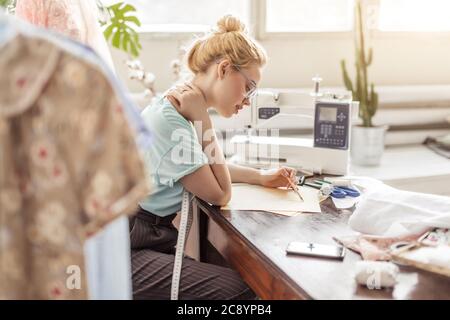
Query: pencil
column 295, row 188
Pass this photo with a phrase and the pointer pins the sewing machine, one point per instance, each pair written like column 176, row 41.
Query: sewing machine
column 276, row 120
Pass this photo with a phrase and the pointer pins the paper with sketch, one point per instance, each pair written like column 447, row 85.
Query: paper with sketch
column 253, row 197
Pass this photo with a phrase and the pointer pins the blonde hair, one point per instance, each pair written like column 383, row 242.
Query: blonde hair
column 229, row 40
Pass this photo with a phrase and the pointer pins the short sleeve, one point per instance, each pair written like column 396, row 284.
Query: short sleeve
column 184, row 156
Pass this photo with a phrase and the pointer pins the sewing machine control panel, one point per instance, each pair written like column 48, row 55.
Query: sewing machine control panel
column 331, row 125
column 267, row 112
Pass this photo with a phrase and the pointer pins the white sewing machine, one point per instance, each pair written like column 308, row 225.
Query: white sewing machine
column 328, row 115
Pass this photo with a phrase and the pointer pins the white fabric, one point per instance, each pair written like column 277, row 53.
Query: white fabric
column 108, row 262
column 391, row 212
column 438, row 256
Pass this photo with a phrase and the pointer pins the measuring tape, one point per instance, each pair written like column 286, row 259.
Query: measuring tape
column 183, row 232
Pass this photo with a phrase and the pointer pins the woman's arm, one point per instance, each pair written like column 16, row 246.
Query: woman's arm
column 269, row 178
column 211, row 182
column 244, row 174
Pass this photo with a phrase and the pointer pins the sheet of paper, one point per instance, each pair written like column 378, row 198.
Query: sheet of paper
column 253, row 197
column 287, row 213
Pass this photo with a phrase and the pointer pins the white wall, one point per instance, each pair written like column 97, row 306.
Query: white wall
column 398, row 60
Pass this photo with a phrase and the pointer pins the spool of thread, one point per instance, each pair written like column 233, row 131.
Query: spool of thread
column 326, row 189
column 316, row 91
column 376, row 274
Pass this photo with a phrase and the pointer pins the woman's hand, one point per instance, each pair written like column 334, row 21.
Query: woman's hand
column 275, row 178
column 189, row 102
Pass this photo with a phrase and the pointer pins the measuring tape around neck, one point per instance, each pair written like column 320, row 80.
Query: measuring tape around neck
column 183, row 232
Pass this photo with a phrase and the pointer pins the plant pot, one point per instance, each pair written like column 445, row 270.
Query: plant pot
column 367, row 145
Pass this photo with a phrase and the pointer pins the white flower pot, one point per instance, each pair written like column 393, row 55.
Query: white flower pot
column 367, row 145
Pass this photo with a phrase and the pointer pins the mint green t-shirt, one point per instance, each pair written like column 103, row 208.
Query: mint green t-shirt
column 174, row 153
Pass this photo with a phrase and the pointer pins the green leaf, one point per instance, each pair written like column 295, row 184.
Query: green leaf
column 133, row 49
column 116, row 39
column 5, row 3
column 133, row 19
column 124, row 36
column 108, row 31
column 125, row 41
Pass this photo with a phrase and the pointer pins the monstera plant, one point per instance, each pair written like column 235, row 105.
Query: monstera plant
column 120, row 30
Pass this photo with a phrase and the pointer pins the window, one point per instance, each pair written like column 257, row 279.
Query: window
column 309, row 15
column 414, row 15
column 291, row 16
column 184, row 16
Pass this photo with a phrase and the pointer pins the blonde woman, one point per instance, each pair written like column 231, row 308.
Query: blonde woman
column 226, row 66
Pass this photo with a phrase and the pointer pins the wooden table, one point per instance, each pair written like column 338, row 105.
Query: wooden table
column 254, row 243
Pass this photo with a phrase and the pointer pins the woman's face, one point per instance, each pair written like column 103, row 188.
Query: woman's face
column 234, row 87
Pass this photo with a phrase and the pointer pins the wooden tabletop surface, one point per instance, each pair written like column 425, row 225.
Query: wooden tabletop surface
column 255, row 242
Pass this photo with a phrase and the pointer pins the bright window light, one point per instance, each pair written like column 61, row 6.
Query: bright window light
column 309, row 15
column 414, row 15
column 184, row 16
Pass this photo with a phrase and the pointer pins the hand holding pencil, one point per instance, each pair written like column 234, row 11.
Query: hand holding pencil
column 281, row 177
column 294, row 187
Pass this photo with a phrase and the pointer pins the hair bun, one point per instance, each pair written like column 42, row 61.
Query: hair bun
column 229, row 23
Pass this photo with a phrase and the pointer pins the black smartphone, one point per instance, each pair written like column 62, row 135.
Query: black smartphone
column 314, row 249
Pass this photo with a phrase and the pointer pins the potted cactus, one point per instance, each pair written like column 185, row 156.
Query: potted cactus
column 367, row 144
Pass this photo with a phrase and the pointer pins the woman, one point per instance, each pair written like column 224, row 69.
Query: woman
column 226, row 64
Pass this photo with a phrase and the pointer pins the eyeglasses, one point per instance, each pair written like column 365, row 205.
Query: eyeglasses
column 251, row 91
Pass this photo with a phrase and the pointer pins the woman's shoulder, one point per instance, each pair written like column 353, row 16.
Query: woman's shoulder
column 162, row 114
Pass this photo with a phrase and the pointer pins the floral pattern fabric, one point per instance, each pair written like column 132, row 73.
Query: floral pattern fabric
column 68, row 166
column 64, row 16
column 76, row 19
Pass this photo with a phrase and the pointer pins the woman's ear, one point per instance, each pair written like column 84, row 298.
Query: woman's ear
column 222, row 68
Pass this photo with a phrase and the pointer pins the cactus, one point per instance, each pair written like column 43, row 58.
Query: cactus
column 368, row 99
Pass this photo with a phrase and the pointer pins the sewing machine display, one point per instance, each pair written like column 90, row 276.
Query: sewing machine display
column 328, row 115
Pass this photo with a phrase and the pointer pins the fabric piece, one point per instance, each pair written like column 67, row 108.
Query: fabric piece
column 373, row 247
column 108, row 263
column 391, row 212
column 76, row 19
column 175, row 152
column 11, row 27
column 152, row 258
column 434, row 256
column 107, row 254
column 69, row 166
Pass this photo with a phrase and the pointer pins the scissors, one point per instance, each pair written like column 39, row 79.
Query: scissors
column 336, row 192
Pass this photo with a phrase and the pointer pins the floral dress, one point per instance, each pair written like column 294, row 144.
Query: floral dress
column 68, row 166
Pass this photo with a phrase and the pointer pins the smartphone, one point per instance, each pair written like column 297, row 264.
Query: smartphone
column 317, row 250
